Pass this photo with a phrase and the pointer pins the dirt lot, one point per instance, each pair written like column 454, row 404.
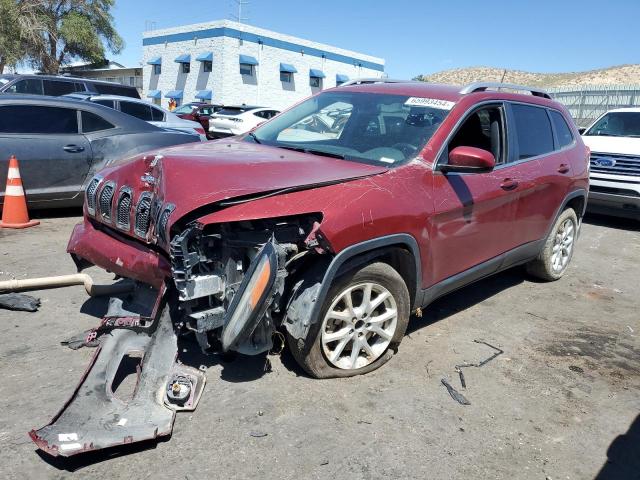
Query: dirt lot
column 562, row 402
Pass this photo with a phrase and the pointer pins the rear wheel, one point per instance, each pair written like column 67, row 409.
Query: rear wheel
column 557, row 252
column 360, row 326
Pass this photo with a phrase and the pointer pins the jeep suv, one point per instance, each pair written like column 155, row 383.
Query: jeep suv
column 614, row 140
column 330, row 224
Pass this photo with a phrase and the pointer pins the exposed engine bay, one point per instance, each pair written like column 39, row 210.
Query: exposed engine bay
column 230, row 278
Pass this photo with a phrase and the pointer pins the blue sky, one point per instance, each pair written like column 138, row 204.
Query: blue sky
column 424, row 36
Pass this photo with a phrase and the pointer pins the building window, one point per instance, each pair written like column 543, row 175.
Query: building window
column 157, row 69
column 246, row 69
column 286, row 77
column 186, row 67
column 208, row 67
column 315, row 82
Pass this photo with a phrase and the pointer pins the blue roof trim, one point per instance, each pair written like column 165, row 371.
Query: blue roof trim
column 342, row 78
column 205, row 57
column 248, row 60
column 155, row 61
column 174, row 94
column 286, row 67
column 154, row 94
column 253, row 38
column 204, row 94
column 184, row 58
column 316, row 73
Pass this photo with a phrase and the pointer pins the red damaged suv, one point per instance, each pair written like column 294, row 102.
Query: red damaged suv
column 332, row 223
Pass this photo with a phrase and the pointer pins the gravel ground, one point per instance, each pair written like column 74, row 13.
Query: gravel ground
column 562, row 402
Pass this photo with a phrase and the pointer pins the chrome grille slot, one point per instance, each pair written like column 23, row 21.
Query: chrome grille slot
column 90, row 195
column 106, row 200
column 615, row 164
column 123, row 209
column 143, row 215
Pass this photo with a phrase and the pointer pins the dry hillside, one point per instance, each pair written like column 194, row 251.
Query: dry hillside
column 620, row 75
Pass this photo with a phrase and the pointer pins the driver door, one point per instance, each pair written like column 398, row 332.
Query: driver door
column 473, row 212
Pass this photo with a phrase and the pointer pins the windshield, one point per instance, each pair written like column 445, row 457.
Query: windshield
column 188, row 108
column 366, row 127
column 4, row 80
column 617, row 124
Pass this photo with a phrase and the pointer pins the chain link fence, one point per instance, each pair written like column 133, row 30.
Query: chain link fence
column 586, row 103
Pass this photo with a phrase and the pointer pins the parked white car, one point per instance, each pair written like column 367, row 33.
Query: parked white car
column 144, row 110
column 614, row 140
column 236, row 120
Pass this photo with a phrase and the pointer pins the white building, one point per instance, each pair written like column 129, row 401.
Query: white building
column 232, row 63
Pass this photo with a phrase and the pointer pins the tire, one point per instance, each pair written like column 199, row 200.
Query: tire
column 550, row 265
column 317, row 352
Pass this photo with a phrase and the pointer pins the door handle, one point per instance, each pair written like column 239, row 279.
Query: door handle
column 73, row 148
column 509, row 184
column 563, row 168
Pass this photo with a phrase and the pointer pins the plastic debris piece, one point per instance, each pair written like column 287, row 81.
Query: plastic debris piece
column 19, row 302
column 457, row 396
column 258, row 434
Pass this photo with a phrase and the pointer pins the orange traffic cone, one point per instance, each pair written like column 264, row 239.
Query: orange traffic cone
column 14, row 213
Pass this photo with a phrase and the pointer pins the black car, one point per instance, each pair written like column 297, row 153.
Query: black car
column 56, row 86
column 60, row 143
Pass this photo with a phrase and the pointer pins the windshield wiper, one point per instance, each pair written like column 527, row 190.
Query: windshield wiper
column 255, row 139
column 313, row 152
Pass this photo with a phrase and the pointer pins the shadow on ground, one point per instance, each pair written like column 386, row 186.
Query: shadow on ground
column 612, row 222
column 623, row 456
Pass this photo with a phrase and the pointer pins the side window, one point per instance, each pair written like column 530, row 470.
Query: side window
column 106, row 103
column 533, row 130
column 79, row 87
column 138, row 110
column 37, row 119
column 28, row 85
column 94, row 123
column 157, row 115
column 261, row 114
column 563, row 132
column 483, row 129
column 57, row 88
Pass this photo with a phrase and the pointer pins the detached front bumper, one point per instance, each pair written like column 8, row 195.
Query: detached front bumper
column 118, row 254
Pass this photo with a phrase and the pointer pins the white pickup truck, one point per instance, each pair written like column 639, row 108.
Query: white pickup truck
column 614, row 140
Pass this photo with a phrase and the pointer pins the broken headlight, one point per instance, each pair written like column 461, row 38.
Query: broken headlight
column 249, row 305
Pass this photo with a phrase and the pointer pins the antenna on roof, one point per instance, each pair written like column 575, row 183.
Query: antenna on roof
column 240, row 18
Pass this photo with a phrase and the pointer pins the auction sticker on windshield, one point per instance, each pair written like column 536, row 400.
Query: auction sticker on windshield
column 429, row 102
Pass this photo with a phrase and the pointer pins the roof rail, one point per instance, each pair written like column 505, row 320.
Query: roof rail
column 483, row 86
column 360, row 81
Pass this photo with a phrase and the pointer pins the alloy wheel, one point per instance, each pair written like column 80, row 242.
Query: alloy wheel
column 359, row 325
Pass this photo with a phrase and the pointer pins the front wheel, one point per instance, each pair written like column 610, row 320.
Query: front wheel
column 557, row 252
column 360, row 326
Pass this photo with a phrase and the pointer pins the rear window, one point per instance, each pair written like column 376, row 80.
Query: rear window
column 533, row 129
column 36, row 119
column 563, row 132
column 57, row 88
column 233, row 110
column 138, row 110
column 157, row 115
column 106, row 103
column 28, row 85
column 94, row 123
column 115, row 89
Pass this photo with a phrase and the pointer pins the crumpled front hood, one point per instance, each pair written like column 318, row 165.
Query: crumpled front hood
column 606, row 144
column 197, row 174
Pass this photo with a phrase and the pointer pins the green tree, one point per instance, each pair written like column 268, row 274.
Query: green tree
column 59, row 31
column 11, row 51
